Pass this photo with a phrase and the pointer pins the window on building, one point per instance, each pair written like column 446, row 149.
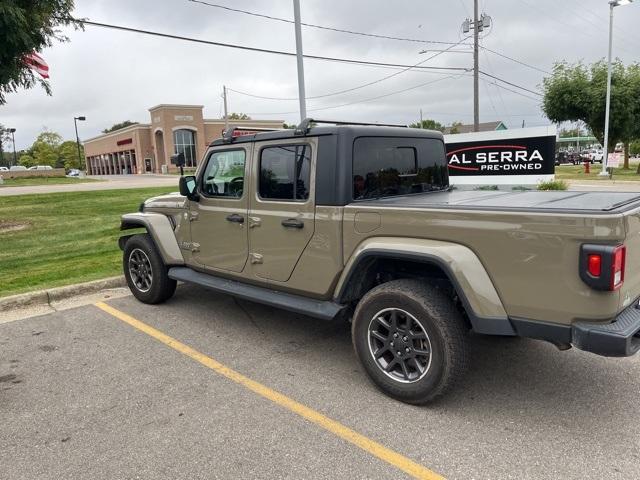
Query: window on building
column 385, row 167
column 285, row 172
column 224, row 175
column 184, row 142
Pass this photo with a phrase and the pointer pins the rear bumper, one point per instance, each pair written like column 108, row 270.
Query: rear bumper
column 620, row 338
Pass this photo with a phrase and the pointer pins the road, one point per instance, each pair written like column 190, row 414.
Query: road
column 111, row 182
column 137, row 392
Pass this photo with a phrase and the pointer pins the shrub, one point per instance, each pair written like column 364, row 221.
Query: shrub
column 553, row 185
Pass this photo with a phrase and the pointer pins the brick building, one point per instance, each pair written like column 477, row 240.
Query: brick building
column 147, row 147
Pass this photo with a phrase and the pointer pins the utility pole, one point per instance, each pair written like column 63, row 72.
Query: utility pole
column 478, row 24
column 421, row 124
column 226, row 113
column 299, row 57
column 476, row 69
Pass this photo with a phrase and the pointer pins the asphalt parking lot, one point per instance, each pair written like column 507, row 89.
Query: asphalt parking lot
column 85, row 393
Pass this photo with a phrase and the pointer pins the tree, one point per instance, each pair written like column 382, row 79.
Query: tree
column 428, row 125
column 571, row 132
column 238, row 116
column 69, row 154
column 455, row 127
column 45, row 150
column 119, row 126
column 27, row 160
column 27, row 27
column 5, row 138
column 577, row 92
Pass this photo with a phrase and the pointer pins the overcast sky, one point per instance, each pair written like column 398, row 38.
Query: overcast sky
column 110, row 76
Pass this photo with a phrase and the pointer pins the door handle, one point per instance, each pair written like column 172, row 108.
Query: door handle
column 235, row 218
column 292, row 223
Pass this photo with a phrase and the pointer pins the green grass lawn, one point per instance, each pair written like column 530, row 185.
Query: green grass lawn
column 57, row 239
column 28, row 182
column 576, row 172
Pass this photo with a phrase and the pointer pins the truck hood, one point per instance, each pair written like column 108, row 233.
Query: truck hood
column 170, row 200
column 560, row 201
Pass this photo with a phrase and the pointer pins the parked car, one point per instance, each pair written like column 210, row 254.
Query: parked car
column 359, row 223
column 594, row 155
column 17, row 168
column 41, row 167
column 573, row 158
column 74, row 172
column 4, row 169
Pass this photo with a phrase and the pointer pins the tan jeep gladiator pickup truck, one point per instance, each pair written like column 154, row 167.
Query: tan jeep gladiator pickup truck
column 359, row 222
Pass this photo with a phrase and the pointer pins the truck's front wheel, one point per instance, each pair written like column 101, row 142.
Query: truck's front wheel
column 145, row 271
column 410, row 339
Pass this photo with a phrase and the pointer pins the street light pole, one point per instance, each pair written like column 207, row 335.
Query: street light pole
column 299, row 56
column 605, row 160
column 13, row 140
column 75, row 122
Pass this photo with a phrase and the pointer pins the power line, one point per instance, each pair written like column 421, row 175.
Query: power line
column 347, row 90
column 352, row 32
column 510, row 83
column 504, row 105
column 320, row 27
column 560, row 22
column 512, row 91
column 515, row 60
column 264, row 50
column 364, row 100
column 291, row 54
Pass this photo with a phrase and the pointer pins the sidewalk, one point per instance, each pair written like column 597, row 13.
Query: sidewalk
column 111, row 182
column 605, row 185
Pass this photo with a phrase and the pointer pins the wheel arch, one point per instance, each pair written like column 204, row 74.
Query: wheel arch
column 455, row 263
column 160, row 229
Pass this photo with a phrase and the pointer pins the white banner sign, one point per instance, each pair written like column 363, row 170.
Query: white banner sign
column 613, row 160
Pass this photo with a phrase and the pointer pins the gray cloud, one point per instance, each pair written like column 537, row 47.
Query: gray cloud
column 110, row 76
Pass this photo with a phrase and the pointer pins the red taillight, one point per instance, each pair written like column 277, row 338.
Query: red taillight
column 617, row 267
column 602, row 266
column 594, row 264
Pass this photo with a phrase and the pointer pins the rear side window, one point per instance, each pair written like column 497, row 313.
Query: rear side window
column 389, row 166
column 284, row 172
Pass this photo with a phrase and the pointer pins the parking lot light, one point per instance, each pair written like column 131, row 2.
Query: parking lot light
column 82, row 118
column 612, row 5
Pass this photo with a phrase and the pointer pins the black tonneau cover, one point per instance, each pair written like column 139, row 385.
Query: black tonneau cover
column 581, row 202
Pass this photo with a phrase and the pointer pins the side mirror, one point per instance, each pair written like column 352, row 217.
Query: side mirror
column 188, row 187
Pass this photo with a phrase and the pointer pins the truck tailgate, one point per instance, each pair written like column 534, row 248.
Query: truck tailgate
column 631, row 288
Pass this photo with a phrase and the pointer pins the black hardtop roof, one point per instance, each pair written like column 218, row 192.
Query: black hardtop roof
column 352, row 131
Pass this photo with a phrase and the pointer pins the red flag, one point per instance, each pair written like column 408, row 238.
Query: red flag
column 37, row 63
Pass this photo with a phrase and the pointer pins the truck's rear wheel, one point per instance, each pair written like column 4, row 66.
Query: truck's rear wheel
column 410, row 339
column 145, row 272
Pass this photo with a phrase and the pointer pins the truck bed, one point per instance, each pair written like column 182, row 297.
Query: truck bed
column 552, row 202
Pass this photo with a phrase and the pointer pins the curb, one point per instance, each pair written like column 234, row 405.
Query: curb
column 45, row 297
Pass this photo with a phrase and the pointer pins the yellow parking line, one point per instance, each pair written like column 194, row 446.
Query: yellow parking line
column 374, row 448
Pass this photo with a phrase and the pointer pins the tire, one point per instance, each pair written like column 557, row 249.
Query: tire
column 432, row 315
column 145, row 271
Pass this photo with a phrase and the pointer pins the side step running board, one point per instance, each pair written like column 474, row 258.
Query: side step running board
column 323, row 309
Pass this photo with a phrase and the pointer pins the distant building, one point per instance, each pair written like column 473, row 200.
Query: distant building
column 147, row 147
column 483, row 127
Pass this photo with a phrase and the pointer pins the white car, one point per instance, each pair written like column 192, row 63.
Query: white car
column 4, row 169
column 594, row 155
column 598, row 156
column 41, row 167
column 17, row 168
